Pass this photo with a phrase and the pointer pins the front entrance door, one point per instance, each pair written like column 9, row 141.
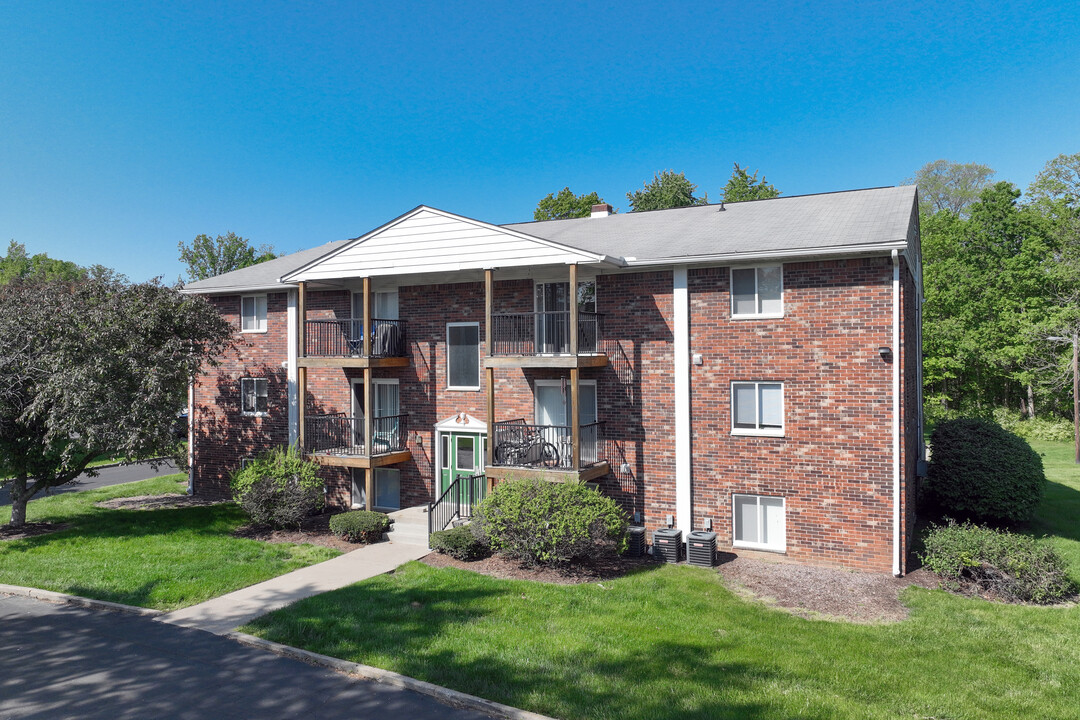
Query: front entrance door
column 462, row 454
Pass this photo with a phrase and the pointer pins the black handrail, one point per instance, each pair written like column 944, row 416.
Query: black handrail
column 341, row 434
column 540, row 333
column 345, row 338
column 457, row 502
column 518, row 444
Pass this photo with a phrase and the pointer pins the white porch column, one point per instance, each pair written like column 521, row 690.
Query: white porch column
column 684, row 519
column 291, row 374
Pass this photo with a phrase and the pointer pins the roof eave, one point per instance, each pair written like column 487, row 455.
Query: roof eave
column 234, row 289
column 751, row 256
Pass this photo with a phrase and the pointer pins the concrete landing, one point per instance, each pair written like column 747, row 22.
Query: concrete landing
column 227, row 612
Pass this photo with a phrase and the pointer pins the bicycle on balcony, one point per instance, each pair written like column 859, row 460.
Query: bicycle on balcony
column 525, row 446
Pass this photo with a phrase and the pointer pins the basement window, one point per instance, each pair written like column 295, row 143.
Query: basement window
column 759, row 522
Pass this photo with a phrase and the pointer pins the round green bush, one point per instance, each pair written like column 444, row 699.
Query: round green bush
column 279, row 488
column 980, row 471
column 459, row 542
column 545, row 523
column 362, row 526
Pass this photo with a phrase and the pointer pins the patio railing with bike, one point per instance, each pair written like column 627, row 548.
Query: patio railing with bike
column 341, row 434
column 519, row 444
column 543, row 333
column 345, row 338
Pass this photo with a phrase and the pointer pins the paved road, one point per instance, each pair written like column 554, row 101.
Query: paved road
column 106, row 477
column 60, row 661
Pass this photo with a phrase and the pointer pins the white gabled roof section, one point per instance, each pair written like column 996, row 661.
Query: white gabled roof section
column 430, row 240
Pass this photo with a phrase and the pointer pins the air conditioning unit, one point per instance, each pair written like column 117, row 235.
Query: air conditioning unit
column 701, row 548
column 667, row 545
column 635, row 546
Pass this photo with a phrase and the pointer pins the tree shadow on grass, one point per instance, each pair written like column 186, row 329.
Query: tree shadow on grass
column 1058, row 513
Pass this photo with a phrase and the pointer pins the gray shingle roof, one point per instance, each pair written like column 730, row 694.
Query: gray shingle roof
column 262, row 276
column 857, row 217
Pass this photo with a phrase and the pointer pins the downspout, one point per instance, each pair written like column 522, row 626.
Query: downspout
column 896, row 413
column 191, row 437
column 684, row 518
column 291, row 371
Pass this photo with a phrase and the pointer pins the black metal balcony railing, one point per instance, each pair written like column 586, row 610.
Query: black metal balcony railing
column 518, row 444
column 345, row 338
column 543, row 333
column 341, row 434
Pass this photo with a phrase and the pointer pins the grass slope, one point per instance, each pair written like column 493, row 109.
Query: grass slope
column 673, row 642
column 162, row 559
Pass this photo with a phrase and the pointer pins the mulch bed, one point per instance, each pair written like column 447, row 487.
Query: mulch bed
column 156, row 502
column 506, row 569
column 31, row 530
column 315, row 530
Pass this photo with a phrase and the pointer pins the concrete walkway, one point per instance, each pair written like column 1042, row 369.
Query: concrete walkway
column 227, row 612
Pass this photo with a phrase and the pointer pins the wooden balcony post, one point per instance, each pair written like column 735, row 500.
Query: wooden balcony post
column 575, row 418
column 367, row 322
column 301, row 319
column 489, row 373
column 573, row 310
column 301, row 393
column 369, row 473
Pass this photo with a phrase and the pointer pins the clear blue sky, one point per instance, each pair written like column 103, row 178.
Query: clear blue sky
column 127, row 127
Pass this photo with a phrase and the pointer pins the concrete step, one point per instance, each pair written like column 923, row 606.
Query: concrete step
column 410, row 526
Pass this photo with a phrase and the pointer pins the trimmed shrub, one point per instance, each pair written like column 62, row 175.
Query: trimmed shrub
column 360, row 526
column 459, row 542
column 1012, row 567
column 980, row 471
column 544, row 523
column 279, row 488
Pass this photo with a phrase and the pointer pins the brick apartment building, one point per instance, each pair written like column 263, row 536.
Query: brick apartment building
column 751, row 367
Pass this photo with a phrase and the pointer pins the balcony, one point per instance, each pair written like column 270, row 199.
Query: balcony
column 546, row 451
column 338, row 439
column 543, row 339
column 340, row 343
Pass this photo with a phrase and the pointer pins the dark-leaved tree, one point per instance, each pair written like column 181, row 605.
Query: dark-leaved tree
column 93, row 365
column 744, row 186
column 668, row 189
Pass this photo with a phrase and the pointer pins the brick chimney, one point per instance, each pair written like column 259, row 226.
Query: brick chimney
column 601, row 210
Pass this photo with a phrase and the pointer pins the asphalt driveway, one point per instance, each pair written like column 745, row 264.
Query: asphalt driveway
column 60, row 661
column 106, row 477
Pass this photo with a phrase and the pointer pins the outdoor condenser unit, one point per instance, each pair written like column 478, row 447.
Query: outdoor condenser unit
column 701, row 548
column 667, row 545
column 636, row 542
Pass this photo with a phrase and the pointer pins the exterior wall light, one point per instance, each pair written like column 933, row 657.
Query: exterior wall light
column 886, row 353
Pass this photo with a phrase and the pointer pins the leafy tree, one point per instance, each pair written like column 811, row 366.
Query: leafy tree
column 744, row 186
column 207, row 257
column 565, row 205
column 92, row 365
column 17, row 265
column 950, row 186
column 668, row 189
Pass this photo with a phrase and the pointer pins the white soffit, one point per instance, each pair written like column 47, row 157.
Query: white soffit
column 430, row 240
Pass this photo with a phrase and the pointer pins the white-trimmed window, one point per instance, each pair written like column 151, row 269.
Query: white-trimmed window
column 759, row 522
column 757, row 408
column 253, row 313
column 757, row 292
column 253, row 396
column 463, row 356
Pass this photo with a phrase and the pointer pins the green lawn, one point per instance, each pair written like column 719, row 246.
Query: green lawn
column 672, row 642
column 161, row 559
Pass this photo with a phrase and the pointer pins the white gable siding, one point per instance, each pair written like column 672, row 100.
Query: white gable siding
column 431, row 242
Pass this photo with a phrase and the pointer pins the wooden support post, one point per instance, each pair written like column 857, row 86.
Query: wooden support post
column 369, row 473
column 367, row 323
column 301, row 319
column 575, row 418
column 489, row 373
column 573, row 310
column 301, row 402
column 369, row 488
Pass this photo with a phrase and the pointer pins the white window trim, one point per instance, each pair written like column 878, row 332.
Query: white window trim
column 479, row 356
column 254, row 413
column 781, row 547
column 767, row 432
column 566, row 397
column 357, row 410
column 756, row 315
column 266, row 313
